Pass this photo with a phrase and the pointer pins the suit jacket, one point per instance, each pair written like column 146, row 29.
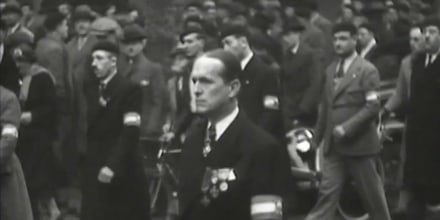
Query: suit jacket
column 386, row 63
column 302, row 83
column 423, row 124
column 113, row 136
column 400, row 97
column 9, row 76
column 259, row 87
column 52, row 54
column 258, row 162
column 353, row 105
column 149, row 76
column 14, row 199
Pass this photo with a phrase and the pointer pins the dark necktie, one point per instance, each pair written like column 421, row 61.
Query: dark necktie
column 340, row 72
column 209, row 140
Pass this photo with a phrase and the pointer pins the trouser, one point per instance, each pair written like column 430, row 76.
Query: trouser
column 424, row 202
column 337, row 170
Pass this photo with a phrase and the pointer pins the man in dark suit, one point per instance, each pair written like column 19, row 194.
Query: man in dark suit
column 259, row 95
column 346, row 130
column 227, row 159
column 9, row 77
column 114, row 184
column 301, row 79
column 422, row 138
column 136, row 67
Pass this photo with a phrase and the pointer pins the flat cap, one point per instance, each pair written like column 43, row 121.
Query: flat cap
column 133, row 33
column 103, row 25
column 233, row 29
column 106, row 46
column 12, row 8
column 24, row 53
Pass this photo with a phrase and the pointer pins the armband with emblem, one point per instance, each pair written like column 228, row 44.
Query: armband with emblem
column 271, row 102
column 9, row 131
column 372, row 96
column 132, row 119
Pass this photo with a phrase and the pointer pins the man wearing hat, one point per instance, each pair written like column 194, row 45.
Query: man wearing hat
column 227, row 159
column 422, row 139
column 259, row 96
column 105, row 28
column 11, row 15
column 9, row 76
column 136, row 67
column 114, row 185
column 37, row 131
column 51, row 53
column 301, row 78
column 79, row 50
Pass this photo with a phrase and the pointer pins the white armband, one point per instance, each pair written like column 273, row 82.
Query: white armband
column 271, row 102
column 132, row 119
column 9, row 131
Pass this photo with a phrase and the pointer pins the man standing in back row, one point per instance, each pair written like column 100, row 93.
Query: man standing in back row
column 346, row 130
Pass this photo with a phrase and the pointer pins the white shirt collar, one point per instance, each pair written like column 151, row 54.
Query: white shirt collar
column 246, row 60
column 2, row 52
column 223, row 124
column 109, row 77
column 348, row 61
column 368, row 48
column 433, row 57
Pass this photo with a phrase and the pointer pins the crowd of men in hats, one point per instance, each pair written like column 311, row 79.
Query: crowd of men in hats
column 78, row 95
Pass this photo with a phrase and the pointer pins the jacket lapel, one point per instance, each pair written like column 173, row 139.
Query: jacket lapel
column 348, row 77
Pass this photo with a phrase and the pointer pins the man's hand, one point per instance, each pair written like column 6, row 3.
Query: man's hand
column 26, row 118
column 105, row 175
column 338, row 132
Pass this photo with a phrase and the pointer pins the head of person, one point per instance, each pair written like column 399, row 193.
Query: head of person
column 134, row 40
column 416, row 39
column 365, row 34
column 179, row 61
column 104, row 59
column 106, row 29
column 193, row 9
column 26, row 10
column 209, row 7
column 347, row 12
column 193, row 41
column 56, row 23
column 214, row 84
column 344, row 39
column 24, row 57
column 11, row 14
column 431, row 31
column 235, row 40
column 292, row 33
column 82, row 21
column 65, row 9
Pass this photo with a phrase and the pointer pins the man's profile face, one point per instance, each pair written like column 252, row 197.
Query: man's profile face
column 103, row 63
column 209, row 91
column 432, row 38
column 192, row 44
column 364, row 36
column 234, row 45
column 344, row 43
column 416, row 40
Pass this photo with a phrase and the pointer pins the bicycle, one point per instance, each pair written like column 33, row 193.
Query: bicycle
column 163, row 181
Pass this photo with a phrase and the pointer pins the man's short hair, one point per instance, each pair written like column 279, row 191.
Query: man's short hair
column 234, row 30
column 53, row 20
column 106, row 46
column 230, row 62
column 431, row 21
column 345, row 26
column 367, row 26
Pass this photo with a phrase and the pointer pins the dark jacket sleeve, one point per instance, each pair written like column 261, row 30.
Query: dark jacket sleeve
column 158, row 102
column 312, row 93
column 9, row 123
column 45, row 109
column 129, row 137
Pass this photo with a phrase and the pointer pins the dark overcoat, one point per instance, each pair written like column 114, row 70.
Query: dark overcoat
column 113, row 143
column 259, row 163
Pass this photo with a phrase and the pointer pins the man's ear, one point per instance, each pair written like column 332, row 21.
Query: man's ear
column 235, row 87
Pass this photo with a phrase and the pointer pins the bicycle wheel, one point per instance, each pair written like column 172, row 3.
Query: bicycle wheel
column 163, row 202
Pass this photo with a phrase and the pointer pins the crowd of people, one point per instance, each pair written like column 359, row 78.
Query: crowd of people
column 79, row 97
